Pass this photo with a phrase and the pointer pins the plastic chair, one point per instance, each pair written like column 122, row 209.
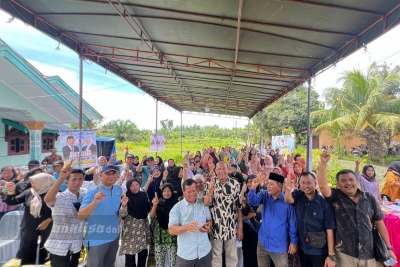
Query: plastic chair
column 10, row 235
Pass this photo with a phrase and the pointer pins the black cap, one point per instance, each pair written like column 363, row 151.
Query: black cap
column 276, row 177
column 130, row 156
column 33, row 162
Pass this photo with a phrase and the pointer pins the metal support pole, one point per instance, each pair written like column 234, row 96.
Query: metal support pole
column 261, row 141
column 80, row 87
column 309, row 137
column 181, row 135
column 248, row 130
column 156, row 123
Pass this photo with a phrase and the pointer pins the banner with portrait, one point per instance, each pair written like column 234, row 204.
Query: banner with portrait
column 157, row 143
column 285, row 143
column 79, row 145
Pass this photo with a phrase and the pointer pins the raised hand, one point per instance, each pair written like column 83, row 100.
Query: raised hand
column 126, row 149
column 165, row 174
column 100, row 196
column 66, row 170
column 244, row 187
column 144, row 157
column 124, row 200
column 113, row 156
column 150, row 179
column 288, row 184
column 325, row 157
column 242, row 200
column 254, row 183
column 155, row 200
column 211, row 188
column 192, row 226
column 357, row 162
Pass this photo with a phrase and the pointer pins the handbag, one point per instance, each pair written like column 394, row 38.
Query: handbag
column 380, row 249
column 313, row 239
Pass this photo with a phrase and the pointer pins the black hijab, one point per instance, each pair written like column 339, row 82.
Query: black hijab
column 138, row 204
column 176, row 181
column 164, row 207
column 364, row 173
column 170, row 169
column 395, row 166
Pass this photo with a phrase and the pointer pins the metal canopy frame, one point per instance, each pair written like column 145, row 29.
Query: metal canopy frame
column 235, row 58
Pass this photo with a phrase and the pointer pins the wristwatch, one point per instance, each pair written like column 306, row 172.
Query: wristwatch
column 389, row 248
column 332, row 257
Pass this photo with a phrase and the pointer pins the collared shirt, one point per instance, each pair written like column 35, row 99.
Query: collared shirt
column 51, row 159
column 319, row 217
column 354, row 223
column 191, row 245
column 223, row 208
column 67, row 230
column 278, row 221
column 102, row 226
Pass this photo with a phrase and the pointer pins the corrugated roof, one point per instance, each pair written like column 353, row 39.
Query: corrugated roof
column 235, row 56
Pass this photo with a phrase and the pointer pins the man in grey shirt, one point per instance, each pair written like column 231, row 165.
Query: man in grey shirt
column 190, row 220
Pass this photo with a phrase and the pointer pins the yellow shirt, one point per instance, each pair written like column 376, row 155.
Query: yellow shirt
column 389, row 189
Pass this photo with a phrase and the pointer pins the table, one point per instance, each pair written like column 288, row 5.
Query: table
column 392, row 222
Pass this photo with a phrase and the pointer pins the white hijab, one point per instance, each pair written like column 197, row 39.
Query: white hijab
column 43, row 182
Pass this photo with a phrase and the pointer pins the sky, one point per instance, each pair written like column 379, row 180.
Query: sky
column 128, row 102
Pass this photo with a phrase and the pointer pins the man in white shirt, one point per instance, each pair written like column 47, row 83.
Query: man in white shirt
column 65, row 241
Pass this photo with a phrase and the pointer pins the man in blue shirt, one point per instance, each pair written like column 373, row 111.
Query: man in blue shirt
column 319, row 218
column 100, row 209
column 190, row 220
column 278, row 223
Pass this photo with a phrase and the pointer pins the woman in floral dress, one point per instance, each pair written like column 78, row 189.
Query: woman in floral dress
column 160, row 214
column 135, row 207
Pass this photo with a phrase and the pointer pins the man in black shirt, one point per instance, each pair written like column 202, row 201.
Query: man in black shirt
column 355, row 213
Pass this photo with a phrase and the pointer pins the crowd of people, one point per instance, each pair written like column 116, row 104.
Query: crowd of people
column 222, row 207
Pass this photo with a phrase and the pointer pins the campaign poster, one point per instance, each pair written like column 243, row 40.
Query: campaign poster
column 157, row 143
column 79, row 145
column 285, row 143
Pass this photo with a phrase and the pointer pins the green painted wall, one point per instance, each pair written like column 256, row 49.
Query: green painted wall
column 21, row 160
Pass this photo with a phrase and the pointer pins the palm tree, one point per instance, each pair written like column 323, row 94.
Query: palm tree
column 367, row 105
column 122, row 130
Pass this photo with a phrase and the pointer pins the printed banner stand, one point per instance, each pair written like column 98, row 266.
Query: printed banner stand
column 157, row 143
column 285, row 143
column 79, row 146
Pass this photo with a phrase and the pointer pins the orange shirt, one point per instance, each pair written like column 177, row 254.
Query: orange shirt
column 389, row 189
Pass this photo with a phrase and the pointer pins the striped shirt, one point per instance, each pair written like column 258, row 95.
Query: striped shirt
column 66, row 234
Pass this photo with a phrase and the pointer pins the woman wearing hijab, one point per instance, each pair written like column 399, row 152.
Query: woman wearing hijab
column 253, row 165
column 298, row 169
column 159, row 162
column 278, row 170
column 97, row 170
column 367, row 180
column 391, row 188
column 252, row 215
column 274, row 157
column 8, row 174
column 36, row 220
column 153, row 183
column 175, row 180
column 162, row 239
column 26, row 184
column 135, row 238
column 289, row 164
